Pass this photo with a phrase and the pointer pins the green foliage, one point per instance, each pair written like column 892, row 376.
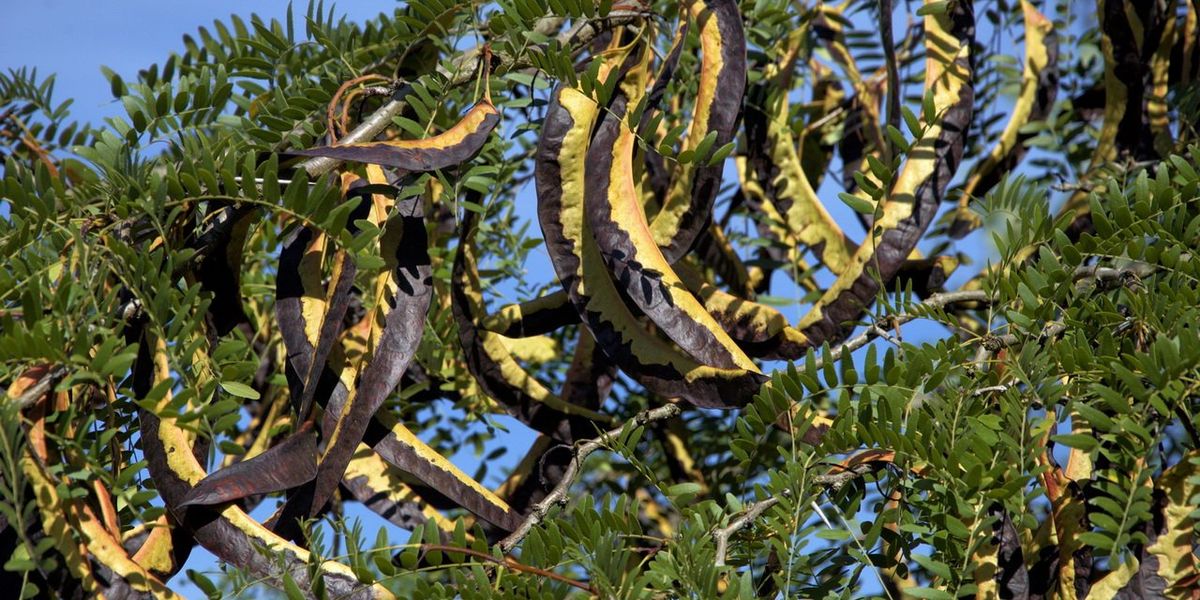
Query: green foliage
column 1040, row 424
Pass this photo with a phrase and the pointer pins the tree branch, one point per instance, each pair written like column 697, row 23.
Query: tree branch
column 834, row 480
column 878, row 329
column 723, row 534
column 559, row 494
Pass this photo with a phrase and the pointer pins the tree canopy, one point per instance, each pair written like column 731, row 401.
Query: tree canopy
column 757, row 299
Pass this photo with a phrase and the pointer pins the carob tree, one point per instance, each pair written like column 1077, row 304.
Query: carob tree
column 283, row 308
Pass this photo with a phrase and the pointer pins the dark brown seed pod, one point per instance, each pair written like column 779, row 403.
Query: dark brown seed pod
column 687, row 209
column 559, row 174
column 455, row 146
column 920, row 186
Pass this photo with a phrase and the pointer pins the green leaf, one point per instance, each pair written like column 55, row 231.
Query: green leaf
column 858, row 204
column 240, row 390
column 939, row 7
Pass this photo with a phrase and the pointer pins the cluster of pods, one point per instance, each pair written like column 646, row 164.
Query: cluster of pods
column 629, row 234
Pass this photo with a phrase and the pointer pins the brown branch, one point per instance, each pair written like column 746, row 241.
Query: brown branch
column 880, row 329
column 559, row 494
column 723, row 534
column 510, row 563
column 44, row 384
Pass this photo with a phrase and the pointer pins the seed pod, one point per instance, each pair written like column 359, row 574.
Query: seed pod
column 687, row 209
column 559, row 174
column 492, row 364
column 1039, row 87
column 635, row 262
column 920, row 186
column 227, row 531
column 456, row 145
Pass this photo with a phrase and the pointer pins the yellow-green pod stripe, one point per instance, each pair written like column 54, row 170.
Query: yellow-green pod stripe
column 379, row 486
column 688, row 206
column 559, row 174
column 227, row 531
column 400, row 447
column 492, row 364
column 636, row 263
column 1039, row 87
column 921, row 184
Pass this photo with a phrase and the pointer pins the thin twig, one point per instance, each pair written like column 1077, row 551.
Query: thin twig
column 44, row 384
column 510, row 563
column 723, row 534
column 559, row 494
column 939, row 300
column 834, row 480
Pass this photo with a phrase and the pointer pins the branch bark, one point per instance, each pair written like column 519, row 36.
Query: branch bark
column 559, row 494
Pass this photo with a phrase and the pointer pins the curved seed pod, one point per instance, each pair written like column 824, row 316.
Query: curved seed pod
column 1126, row 69
column 863, row 132
column 493, row 365
column 538, row 316
column 91, row 545
column 559, row 174
column 220, row 267
column 1039, row 87
column 379, row 487
column 391, row 340
column 1157, row 107
column 770, row 226
column 687, row 209
column 919, row 187
column 635, row 261
column 456, row 145
column 305, row 313
column 73, row 519
column 775, row 164
column 231, row 534
column 397, row 334
column 393, row 442
column 228, row 532
column 335, row 305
